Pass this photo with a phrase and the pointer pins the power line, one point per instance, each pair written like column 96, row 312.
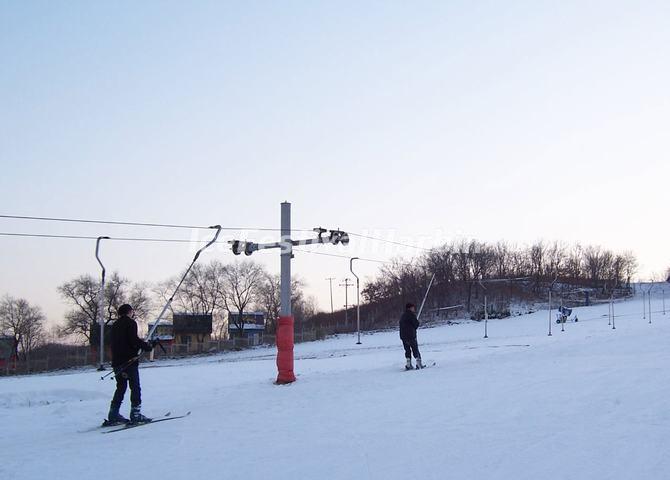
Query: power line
column 138, row 224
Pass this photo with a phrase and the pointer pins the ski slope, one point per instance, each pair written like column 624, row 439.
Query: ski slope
column 587, row 403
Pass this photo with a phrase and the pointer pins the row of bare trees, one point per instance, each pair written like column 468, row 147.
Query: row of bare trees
column 213, row 288
column 466, row 261
column 223, row 289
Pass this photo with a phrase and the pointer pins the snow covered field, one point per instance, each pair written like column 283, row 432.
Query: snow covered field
column 587, row 403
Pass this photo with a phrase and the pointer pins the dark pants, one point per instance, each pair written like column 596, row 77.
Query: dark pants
column 129, row 376
column 411, row 348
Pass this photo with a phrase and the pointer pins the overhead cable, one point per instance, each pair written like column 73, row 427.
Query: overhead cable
column 138, row 224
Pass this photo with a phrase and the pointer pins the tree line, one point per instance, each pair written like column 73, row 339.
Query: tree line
column 223, row 289
column 460, row 266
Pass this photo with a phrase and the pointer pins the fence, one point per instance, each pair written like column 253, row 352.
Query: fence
column 64, row 357
column 218, row 346
column 81, row 357
column 58, row 357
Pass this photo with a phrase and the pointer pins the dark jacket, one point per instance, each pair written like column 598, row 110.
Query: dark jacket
column 408, row 325
column 125, row 342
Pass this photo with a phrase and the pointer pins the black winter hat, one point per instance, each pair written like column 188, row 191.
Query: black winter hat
column 409, row 305
column 125, row 309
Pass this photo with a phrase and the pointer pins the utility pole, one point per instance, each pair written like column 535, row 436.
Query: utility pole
column 358, row 299
column 101, row 305
column 330, row 280
column 346, row 286
column 286, row 323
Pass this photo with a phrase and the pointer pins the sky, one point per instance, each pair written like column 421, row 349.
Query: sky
column 419, row 122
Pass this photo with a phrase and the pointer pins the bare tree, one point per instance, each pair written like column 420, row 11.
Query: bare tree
column 537, row 254
column 462, row 258
column 502, row 260
column 202, row 291
column 242, row 283
column 23, row 322
column 270, row 300
column 574, row 262
column 82, row 294
column 555, row 259
column 303, row 308
column 593, row 259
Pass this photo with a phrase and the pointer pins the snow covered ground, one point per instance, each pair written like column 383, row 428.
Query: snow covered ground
column 587, row 403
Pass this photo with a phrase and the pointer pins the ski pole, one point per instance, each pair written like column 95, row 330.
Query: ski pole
column 134, row 359
column 122, row 367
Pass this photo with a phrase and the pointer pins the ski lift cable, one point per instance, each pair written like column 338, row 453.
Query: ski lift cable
column 369, row 237
column 402, row 244
column 348, row 257
column 138, row 224
column 122, row 239
column 85, row 237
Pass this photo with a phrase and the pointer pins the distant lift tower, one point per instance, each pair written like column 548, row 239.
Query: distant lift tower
column 285, row 324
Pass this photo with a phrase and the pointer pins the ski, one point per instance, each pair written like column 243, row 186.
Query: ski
column 128, row 426
column 105, row 425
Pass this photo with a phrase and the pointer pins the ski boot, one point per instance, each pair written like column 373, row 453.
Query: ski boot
column 419, row 365
column 137, row 417
column 409, row 365
column 114, row 417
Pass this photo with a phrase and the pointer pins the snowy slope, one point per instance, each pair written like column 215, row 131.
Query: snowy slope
column 587, row 403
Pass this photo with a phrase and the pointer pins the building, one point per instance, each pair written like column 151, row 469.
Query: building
column 252, row 326
column 191, row 329
column 7, row 350
column 164, row 331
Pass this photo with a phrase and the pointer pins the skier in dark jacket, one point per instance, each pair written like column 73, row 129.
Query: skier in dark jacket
column 125, row 347
column 408, row 325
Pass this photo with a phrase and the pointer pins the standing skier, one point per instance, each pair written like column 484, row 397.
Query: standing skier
column 125, row 347
column 408, row 325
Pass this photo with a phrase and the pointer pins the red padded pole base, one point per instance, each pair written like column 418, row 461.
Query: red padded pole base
column 285, row 350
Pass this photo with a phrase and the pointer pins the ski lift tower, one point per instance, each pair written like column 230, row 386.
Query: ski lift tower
column 285, row 324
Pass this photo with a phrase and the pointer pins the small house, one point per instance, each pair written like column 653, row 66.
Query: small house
column 249, row 325
column 7, row 351
column 191, row 329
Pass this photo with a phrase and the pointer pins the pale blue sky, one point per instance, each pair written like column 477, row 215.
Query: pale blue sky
column 496, row 120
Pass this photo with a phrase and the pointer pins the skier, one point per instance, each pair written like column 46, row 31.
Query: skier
column 408, row 325
column 125, row 347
